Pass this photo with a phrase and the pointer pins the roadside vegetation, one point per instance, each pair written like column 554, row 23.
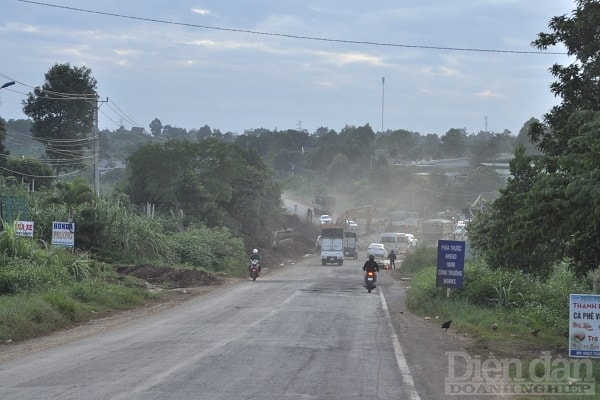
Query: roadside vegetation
column 44, row 288
column 201, row 200
column 508, row 314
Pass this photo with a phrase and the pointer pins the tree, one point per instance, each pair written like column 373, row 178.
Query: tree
column 577, row 84
column 550, row 210
column 3, row 151
column 34, row 172
column 63, row 111
column 174, row 133
column 156, row 127
column 211, row 182
column 453, row 143
column 71, row 194
column 509, row 232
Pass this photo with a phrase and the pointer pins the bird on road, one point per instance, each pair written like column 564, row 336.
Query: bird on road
column 535, row 332
column 446, row 325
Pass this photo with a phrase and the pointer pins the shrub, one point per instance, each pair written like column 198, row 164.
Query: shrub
column 18, row 275
column 215, row 249
column 423, row 256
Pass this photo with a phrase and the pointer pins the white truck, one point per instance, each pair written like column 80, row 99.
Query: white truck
column 332, row 246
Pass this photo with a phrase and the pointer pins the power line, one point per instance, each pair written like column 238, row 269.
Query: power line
column 290, row 36
column 53, row 95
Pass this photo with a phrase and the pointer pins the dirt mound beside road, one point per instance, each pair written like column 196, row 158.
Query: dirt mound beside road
column 167, row 277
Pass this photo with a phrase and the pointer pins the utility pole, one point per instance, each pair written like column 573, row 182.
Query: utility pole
column 382, row 99
column 97, row 147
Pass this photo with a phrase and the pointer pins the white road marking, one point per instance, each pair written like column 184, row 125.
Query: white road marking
column 409, row 384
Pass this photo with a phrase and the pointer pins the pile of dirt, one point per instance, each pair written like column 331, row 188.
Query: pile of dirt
column 167, row 277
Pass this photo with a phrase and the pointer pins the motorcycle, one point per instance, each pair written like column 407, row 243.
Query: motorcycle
column 254, row 269
column 371, row 279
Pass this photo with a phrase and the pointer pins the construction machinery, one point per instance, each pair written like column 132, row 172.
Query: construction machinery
column 352, row 214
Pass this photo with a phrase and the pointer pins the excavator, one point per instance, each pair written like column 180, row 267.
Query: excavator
column 351, row 214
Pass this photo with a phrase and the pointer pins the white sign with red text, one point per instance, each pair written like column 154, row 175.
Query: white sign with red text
column 24, row 228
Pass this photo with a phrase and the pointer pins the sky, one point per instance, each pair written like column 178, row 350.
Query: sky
column 290, row 64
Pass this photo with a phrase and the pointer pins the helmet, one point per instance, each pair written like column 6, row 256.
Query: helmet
column 255, row 251
column 371, row 257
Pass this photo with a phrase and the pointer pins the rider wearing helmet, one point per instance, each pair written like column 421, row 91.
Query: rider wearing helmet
column 255, row 256
column 370, row 266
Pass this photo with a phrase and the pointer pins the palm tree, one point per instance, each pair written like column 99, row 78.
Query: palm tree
column 72, row 193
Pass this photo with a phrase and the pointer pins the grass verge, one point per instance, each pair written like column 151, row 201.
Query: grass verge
column 509, row 316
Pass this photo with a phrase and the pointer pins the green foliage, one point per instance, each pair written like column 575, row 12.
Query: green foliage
column 72, row 194
column 211, row 248
column 64, row 126
column 26, row 316
column 208, row 182
column 421, row 257
column 550, row 210
column 32, row 171
column 130, row 237
column 64, row 304
column 12, row 245
column 511, row 295
column 506, row 295
column 20, row 275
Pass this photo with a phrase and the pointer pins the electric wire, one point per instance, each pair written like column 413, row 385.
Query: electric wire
column 290, row 36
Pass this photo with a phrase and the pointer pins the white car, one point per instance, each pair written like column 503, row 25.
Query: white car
column 325, row 219
column 352, row 225
column 377, row 249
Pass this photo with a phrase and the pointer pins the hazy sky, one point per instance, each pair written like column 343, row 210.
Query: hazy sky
column 285, row 64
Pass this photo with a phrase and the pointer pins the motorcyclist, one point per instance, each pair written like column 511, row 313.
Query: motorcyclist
column 255, row 256
column 371, row 266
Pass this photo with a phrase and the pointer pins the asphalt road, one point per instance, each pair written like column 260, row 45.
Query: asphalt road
column 300, row 332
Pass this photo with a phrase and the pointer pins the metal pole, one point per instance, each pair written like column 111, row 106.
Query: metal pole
column 382, row 99
column 96, row 151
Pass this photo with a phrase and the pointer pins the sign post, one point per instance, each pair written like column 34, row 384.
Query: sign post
column 63, row 234
column 450, row 264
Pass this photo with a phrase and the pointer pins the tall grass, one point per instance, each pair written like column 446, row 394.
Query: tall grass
column 515, row 303
column 214, row 249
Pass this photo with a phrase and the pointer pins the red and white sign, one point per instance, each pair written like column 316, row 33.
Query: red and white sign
column 24, row 228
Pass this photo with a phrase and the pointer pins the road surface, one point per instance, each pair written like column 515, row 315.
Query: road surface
column 302, row 332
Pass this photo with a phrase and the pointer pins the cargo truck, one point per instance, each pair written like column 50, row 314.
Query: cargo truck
column 332, row 246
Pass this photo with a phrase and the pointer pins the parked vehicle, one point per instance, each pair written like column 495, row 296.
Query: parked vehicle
column 397, row 241
column 377, row 249
column 412, row 241
column 332, row 246
column 350, row 245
